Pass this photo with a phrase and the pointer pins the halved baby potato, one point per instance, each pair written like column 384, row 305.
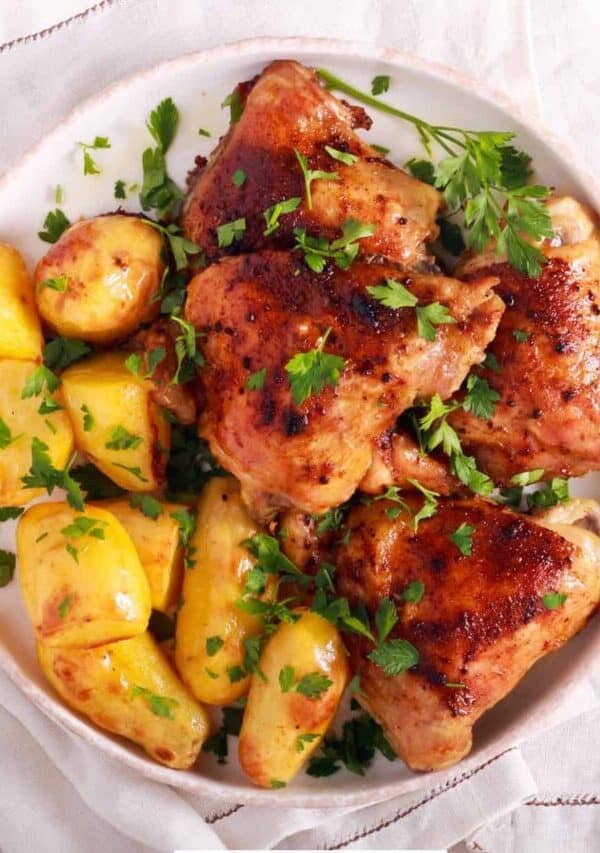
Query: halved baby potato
column 211, row 629
column 20, row 331
column 116, row 421
column 80, row 576
column 130, row 689
column 158, row 543
column 286, row 713
column 20, row 422
column 100, row 280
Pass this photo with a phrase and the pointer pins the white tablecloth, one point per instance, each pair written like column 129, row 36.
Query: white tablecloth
column 58, row 795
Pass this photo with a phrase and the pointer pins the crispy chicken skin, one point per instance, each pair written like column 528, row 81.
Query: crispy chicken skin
column 257, row 311
column 549, row 412
column 481, row 623
column 398, row 459
column 286, row 108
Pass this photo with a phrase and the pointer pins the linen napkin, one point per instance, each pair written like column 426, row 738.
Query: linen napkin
column 62, row 794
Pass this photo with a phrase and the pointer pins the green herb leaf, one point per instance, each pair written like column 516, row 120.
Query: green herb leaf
column 163, row 122
column 343, row 251
column 429, row 507
column 465, row 468
column 60, row 283
column 553, row 492
column 122, row 439
column 239, row 178
column 84, row 525
column 414, row 592
column 120, row 190
column 55, row 224
column 355, row 749
column 277, row 783
column 230, row 232
column 463, row 538
column 393, row 294
column 89, row 164
column 256, row 381
column 41, row 378
column 213, row 644
column 342, row 156
column 430, row 316
column 43, row 474
column 526, row 478
column 48, row 406
column 385, row 618
column 134, row 470
column 61, row 352
column 311, row 175
column 6, row 436
column 203, row 132
column 311, row 685
column 96, row 484
column 380, row 84
column 480, row 398
column 236, row 107
column 304, row 739
column 272, row 214
column 423, row 170
column 491, row 363
column 187, row 525
column 7, row 567
column 520, row 336
column 65, row 606
column 395, row 656
column 161, row 706
column 88, row 420
column 309, row 372
column 148, row 506
column 451, row 237
column 7, row 513
column 553, row 600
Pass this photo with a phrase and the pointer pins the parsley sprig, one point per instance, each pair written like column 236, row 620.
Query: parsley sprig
column 159, row 192
column 309, row 372
column 483, row 175
column 343, row 251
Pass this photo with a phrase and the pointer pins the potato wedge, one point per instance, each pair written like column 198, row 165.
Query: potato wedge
column 20, row 330
column 280, row 718
column 105, row 274
column 20, row 422
column 130, row 689
column 80, row 576
column 159, row 548
column 117, row 424
column 210, row 591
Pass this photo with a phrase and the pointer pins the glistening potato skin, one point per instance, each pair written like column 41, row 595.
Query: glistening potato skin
column 21, row 330
column 113, row 267
column 481, row 624
column 129, row 688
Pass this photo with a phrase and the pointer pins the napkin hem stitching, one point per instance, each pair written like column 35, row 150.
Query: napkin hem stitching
column 41, row 34
column 579, row 800
column 214, row 818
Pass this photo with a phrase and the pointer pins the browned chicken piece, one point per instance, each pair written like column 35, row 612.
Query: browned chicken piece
column 257, row 311
column 286, row 108
column 398, row 459
column 548, row 351
column 482, row 622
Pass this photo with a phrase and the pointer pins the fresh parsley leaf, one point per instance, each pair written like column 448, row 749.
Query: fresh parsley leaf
column 235, row 673
column 256, row 381
column 395, row 656
column 203, row 132
column 55, row 224
column 465, row 468
column 90, row 166
column 309, row 372
column 65, row 606
column 337, row 611
column 423, row 170
column 213, row 644
column 190, row 464
column 435, row 428
column 393, row 294
column 526, row 478
column 332, row 519
column 304, row 739
column 43, row 474
column 277, row 783
column 120, row 190
column 311, row 175
column 187, row 525
column 380, row 84
column 385, row 618
column 239, row 178
column 520, row 336
column 361, row 738
column 158, row 192
column 41, row 378
column 148, row 506
column 413, row 592
column 311, row 685
column 272, row 214
column 491, row 363
column 48, row 406
column 88, row 420
column 230, row 232
column 430, row 316
column 7, row 567
column 60, row 283
column 343, row 251
column 161, row 706
column 344, row 157
column 480, row 398
column 122, row 439
column 181, row 248
column 7, row 513
column 6, row 436
column 84, row 525
column 162, row 124
column 61, row 352
column 59, row 194
column 553, row 492
column 235, row 104
column 451, row 237
column 381, row 149
column 94, row 483
column 430, row 503
column 188, row 355
column 553, row 600
column 134, row 470
column 463, row 538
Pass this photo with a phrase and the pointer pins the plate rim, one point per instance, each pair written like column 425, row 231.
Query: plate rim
column 130, row 755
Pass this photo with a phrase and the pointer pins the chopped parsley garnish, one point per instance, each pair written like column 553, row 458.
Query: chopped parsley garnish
column 311, row 175
column 491, row 363
column 385, row 619
column 187, row 525
column 7, row 567
column 90, row 167
column 361, row 737
column 190, row 464
column 181, row 248
column 239, row 178
column 61, row 352
column 430, row 503
column 43, row 474
column 342, row 156
column 332, row 519
column 553, row 492
column 230, row 232
column 6, row 436
column 41, row 378
column 413, row 592
column 395, row 656
column 451, row 237
column 304, row 739
column 236, row 673
column 463, row 538
column 256, row 381
column 135, row 362
column 272, row 214
column 337, row 611
column 159, row 191
column 48, row 406
column 430, row 316
column 484, row 175
column 64, row 606
column 122, row 439
column 161, row 706
column 88, row 419
column 236, row 107
column 553, row 600
column 277, row 783
column 147, row 505
column 120, row 190
column 7, row 513
column 520, row 336
column 231, row 725
column 311, row 685
column 526, row 478
column 480, row 398
column 343, row 251
column 380, row 84
column 84, row 525
column 309, row 372
column 163, row 122
column 423, row 170
column 393, row 294
column 55, row 224
column 134, row 470
column 60, row 283
column 381, row 149
column 188, row 355
column 94, row 483
column 59, row 194
column 203, row 132
column 465, row 468
column 213, row 645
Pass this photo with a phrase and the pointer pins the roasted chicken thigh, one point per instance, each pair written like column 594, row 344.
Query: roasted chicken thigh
column 548, row 357
column 484, row 618
column 286, row 110
column 256, row 312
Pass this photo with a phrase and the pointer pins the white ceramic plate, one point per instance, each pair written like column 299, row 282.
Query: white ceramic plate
column 198, row 83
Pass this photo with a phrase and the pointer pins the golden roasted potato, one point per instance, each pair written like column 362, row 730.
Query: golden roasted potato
column 117, row 424
column 305, row 673
column 158, row 543
column 130, row 689
column 21, row 422
column 211, row 630
column 80, row 576
column 100, row 280
column 20, row 332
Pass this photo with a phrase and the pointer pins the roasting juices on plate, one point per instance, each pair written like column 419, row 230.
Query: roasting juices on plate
column 295, row 457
